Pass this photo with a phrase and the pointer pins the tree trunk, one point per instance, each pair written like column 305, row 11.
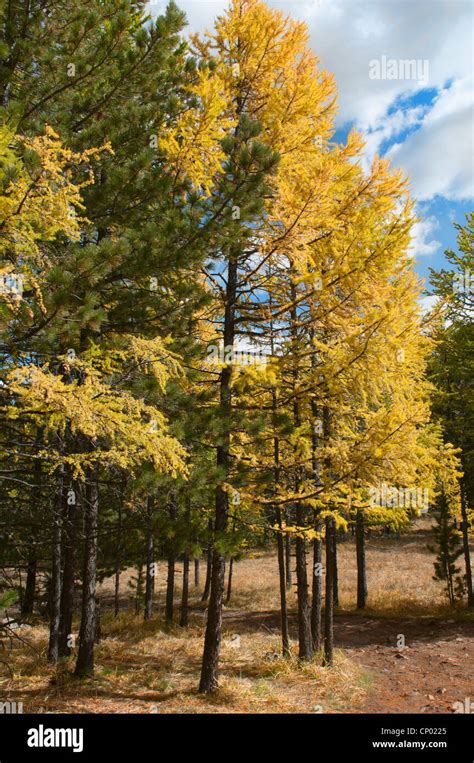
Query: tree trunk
column 118, row 554
column 169, row 607
column 69, row 572
column 196, row 573
column 336, row 576
column 304, row 619
column 183, row 620
column 229, row 580
column 285, row 634
column 150, row 559
column 207, row 583
column 316, row 607
column 139, row 589
column 28, row 601
column 329, row 603
column 85, row 657
column 465, row 543
column 97, row 624
column 360, row 552
column 212, row 641
column 305, row 642
column 288, row 571
column 55, row 586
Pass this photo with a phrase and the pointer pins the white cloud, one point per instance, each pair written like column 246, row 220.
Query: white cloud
column 427, row 303
column 353, row 33
column 389, row 127
column 440, row 156
column 423, row 244
column 348, row 34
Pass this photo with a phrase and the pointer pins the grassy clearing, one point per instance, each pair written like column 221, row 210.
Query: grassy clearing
column 146, row 667
column 153, row 667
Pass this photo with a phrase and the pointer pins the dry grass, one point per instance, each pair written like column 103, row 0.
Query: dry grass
column 151, row 667
column 147, row 668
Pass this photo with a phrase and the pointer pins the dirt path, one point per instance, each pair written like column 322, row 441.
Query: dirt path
column 429, row 674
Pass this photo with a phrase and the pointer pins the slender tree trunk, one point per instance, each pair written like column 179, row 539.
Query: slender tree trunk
column 28, row 599
column 196, row 573
column 305, row 642
column 465, row 543
column 304, row 619
column 97, row 623
column 55, row 586
column 288, row 570
column 229, row 580
column 85, row 657
column 316, row 607
column 212, row 641
column 317, row 577
column 183, row 620
column 28, row 602
column 118, row 553
column 360, row 552
column 207, row 582
column 139, row 589
column 69, row 571
column 329, row 603
column 231, row 569
column 169, row 607
column 184, row 615
column 285, row 633
column 336, row 576
column 150, row 560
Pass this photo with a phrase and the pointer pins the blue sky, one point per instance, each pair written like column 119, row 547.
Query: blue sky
column 420, row 115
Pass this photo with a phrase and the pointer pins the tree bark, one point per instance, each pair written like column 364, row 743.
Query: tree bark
column 118, row 554
column 150, row 563
column 329, row 603
column 85, row 657
column 465, row 543
column 169, row 607
column 196, row 573
column 229, row 580
column 207, row 582
column 285, row 634
column 55, row 585
column 304, row 619
column 69, row 572
column 212, row 641
column 316, row 605
column 28, row 602
column 335, row 573
column 288, row 571
column 97, row 623
column 28, row 599
column 360, row 552
column 184, row 615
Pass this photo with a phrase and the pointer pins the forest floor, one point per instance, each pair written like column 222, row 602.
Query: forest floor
column 154, row 667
